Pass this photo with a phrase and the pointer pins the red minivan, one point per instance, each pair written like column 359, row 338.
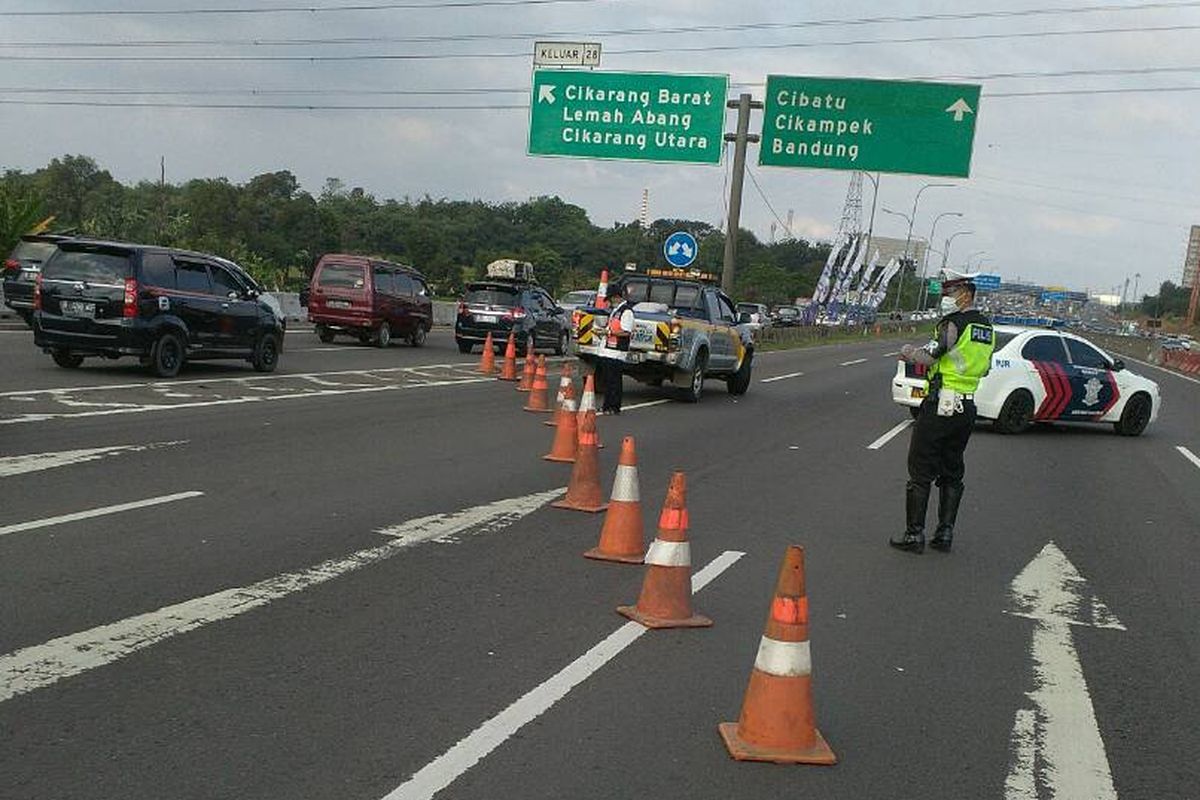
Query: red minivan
column 371, row 299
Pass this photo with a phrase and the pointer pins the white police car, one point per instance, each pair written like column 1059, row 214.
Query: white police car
column 1041, row 375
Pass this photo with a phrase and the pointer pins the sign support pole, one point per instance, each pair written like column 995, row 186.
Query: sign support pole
column 743, row 104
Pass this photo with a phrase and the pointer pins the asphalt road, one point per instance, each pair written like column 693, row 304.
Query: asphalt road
column 188, row 649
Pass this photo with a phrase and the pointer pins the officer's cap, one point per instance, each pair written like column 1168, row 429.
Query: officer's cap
column 953, row 279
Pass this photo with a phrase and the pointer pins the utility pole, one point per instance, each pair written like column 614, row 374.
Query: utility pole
column 743, row 136
column 162, row 198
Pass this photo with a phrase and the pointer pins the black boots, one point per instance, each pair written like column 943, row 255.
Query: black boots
column 949, row 496
column 916, row 501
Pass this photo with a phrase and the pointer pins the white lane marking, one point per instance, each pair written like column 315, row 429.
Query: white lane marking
column 782, row 377
column 35, row 462
column 1071, row 760
column 446, row 768
column 891, row 355
column 1162, row 369
column 852, row 363
column 96, row 512
column 1021, row 783
column 647, row 404
column 41, row 665
column 1189, row 455
column 887, row 437
column 236, row 401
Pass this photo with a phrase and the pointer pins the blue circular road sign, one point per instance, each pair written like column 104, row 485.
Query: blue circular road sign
column 680, row 249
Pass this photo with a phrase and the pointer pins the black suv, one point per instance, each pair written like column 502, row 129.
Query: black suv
column 162, row 305
column 21, row 269
column 499, row 305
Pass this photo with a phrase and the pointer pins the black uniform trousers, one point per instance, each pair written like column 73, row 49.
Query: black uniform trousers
column 610, row 370
column 935, row 452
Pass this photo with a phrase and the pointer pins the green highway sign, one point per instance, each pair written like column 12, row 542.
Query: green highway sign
column 869, row 125
column 935, row 286
column 640, row 116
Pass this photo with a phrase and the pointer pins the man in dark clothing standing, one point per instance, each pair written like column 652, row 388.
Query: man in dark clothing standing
column 957, row 357
column 616, row 345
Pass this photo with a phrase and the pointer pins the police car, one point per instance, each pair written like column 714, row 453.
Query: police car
column 1040, row 375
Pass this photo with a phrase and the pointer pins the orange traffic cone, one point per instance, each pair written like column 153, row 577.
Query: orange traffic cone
column 666, row 599
column 778, row 722
column 530, row 367
column 509, row 371
column 602, row 290
column 623, row 538
column 487, row 361
column 566, row 383
column 583, row 492
column 566, row 437
column 539, row 395
column 587, row 404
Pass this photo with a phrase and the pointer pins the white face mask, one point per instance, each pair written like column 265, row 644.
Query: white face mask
column 949, row 305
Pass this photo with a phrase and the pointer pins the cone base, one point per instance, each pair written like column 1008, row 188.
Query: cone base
column 553, row 423
column 560, row 459
column 599, row 555
column 502, row 378
column 574, row 507
column 741, row 750
column 694, row 621
column 536, row 410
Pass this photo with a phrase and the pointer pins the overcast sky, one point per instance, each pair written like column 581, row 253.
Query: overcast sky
column 1079, row 189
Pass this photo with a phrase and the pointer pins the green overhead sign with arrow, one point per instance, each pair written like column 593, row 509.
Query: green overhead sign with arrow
column 869, row 125
column 641, row 116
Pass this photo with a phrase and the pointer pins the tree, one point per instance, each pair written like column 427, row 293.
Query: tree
column 19, row 214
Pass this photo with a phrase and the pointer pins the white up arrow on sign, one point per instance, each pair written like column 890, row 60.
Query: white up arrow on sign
column 546, row 93
column 1059, row 740
column 959, row 108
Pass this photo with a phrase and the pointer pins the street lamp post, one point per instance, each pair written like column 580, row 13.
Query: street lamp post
column 967, row 263
column 871, row 225
column 908, row 236
column 946, row 249
column 924, row 294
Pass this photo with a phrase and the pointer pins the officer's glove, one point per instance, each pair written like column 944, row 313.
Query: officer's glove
column 906, row 352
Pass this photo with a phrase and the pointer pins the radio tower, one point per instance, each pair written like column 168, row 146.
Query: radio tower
column 646, row 209
column 851, row 224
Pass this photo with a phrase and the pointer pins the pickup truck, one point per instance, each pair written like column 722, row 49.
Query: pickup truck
column 684, row 331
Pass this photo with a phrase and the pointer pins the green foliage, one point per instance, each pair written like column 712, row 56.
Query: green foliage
column 277, row 231
column 19, row 214
column 1171, row 300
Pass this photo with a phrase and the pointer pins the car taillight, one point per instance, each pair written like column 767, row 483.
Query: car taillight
column 462, row 308
column 676, row 328
column 130, row 308
column 37, row 293
column 576, row 315
column 517, row 313
column 12, row 264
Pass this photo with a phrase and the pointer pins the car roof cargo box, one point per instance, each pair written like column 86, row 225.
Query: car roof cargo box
column 510, row 268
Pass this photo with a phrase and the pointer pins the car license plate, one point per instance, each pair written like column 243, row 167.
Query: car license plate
column 918, row 393
column 643, row 336
column 485, row 318
column 76, row 308
column 338, row 304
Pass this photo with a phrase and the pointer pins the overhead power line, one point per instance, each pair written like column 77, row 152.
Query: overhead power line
column 760, row 46
column 763, row 195
column 644, row 31
column 178, row 12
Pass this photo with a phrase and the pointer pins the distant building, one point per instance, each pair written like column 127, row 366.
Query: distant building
column 1191, row 262
column 894, row 248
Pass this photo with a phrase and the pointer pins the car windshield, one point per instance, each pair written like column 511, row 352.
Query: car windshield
column 91, row 266
column 749, row 308
column 491, row 296
column 1002, row 339
column 347, row 276
column 575, row 298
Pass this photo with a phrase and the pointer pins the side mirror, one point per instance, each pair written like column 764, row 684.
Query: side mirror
column 744, row 318
column 1118, row 365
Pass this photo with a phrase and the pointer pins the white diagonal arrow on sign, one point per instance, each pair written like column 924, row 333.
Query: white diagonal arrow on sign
column 1058, row 744
column 546, row 93
column 959, row 108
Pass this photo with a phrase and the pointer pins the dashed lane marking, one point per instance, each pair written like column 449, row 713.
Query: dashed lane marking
column 446, row 768
column 892, row 434
column 96, row 512
column 891, row 355
column 36, row 667
column 782, row 377
column 852, row 363
column 35, row 462
column 1189, row 455
column 647, row 404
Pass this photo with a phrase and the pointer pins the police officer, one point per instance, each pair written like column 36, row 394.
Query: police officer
column 958, row 356
column 616, row 345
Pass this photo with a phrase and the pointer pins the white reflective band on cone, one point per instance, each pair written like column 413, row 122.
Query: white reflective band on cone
column 783, row 659
column 625, row 485
column 569, row 405
column 588, row 403
column 669, row 554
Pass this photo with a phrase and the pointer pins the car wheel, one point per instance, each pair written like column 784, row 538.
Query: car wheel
column 166, row 356
column 464, row 347
column 1016, row 413
column 325, row 334
column 915, row 411
column 1135, row 417
column 383, row 334
column 266, row 353
column 417, row 339
column 696, row 388
column 66, row 359
column 739, row 382
column 561, row 348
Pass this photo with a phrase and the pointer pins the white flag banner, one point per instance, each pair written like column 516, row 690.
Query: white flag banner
column 823, row 282
column 852, row 270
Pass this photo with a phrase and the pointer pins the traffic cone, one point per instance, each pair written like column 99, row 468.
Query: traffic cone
column 566, row 385
column 583, row 492
column 530, row 367
column 539, row 396
column 666, row 599
column 602, row 290
column 778, row 722
column 587, row 404
column 623, row 538
column 487, row 361
column 566, row 436
column 509, row 371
